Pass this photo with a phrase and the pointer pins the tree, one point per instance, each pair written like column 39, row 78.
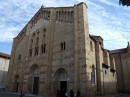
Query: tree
column 124, row 2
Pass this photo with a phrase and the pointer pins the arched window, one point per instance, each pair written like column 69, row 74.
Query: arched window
column 36, row 51
column 44, row 30
column 93, row 75
column 93, row 68
column 30, row 52
column 63, row 46
column 105, row 72
column 31, row 43
column 19, row 57
column 43, row 48
column 37, row 40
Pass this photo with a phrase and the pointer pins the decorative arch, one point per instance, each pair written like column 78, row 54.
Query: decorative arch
column 60, row 75
column 33, row 74
column 34, row 68
column 60, row 79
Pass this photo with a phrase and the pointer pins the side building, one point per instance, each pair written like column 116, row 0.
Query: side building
column 54, row 51
column 122, row 59
column 4, row 64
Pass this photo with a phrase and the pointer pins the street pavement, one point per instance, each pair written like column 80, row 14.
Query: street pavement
column 117, row 95
column 5, row 94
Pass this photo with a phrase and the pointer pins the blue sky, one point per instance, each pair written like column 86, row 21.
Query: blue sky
column 106, row 18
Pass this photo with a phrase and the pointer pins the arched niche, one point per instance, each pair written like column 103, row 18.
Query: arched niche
column 34, row 69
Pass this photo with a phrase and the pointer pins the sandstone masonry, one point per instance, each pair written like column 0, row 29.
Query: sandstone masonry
column 54, row 51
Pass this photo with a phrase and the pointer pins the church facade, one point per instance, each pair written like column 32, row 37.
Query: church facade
column 54, row 51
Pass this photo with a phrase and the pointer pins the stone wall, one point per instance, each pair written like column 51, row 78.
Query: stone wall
column 122, row 60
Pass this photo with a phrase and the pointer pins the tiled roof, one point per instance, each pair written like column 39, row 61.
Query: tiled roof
column 4, row 55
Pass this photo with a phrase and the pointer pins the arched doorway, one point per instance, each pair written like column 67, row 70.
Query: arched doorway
column 60, row 81
column 33, row 80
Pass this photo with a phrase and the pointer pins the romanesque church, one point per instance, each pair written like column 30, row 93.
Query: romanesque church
column 54, row 51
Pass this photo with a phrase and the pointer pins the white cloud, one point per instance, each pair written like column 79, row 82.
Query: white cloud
column 108, row 2
column 14, row 15
column 102, row 20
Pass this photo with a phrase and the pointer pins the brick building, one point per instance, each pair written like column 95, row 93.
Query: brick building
column 54, row 51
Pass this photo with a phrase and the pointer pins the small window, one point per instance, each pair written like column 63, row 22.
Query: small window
column 63, row 46
column 38, row 32
column 36, row 51
column 93, row 75
column 19, row 57
column 84, row 66
column 113, row 74
column 30, row 52
column 105, row 72
column 91, row 46
column 44, row 35
column 31, row 43
column 37, row 40
column 44, row 30
column 33, row 34
column 48, row 16
column 93, row 68
column 43, row 48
